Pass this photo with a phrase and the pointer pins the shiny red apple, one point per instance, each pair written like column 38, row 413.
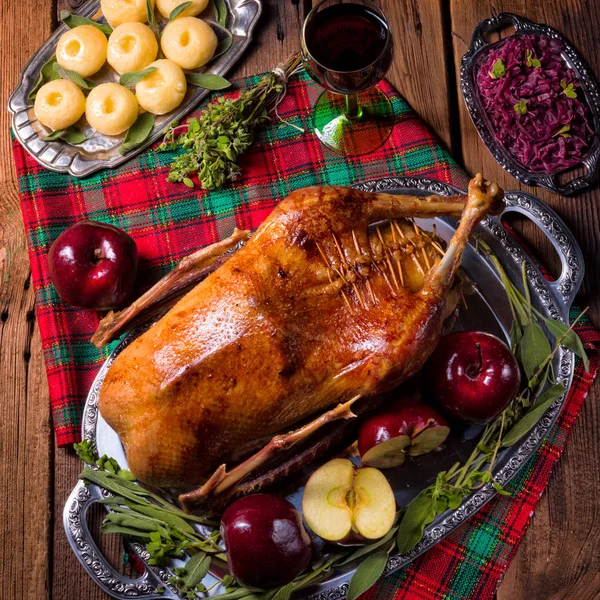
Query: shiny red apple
column 386, row 437
column 93, row 265
column 473, row 375
column 267, row 545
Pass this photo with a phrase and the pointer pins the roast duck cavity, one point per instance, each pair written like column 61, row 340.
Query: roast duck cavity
column 336, row 299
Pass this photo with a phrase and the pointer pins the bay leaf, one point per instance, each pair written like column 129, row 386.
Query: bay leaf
column 530, row 419
column 208, row 81
column 71, row 21
column 138, row 133
column 197, row 568
column 178, row 10
column 131, row 78
column 367, row 574
column 534, row 348
column 572, row 341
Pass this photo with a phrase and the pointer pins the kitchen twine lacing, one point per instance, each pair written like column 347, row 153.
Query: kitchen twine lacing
column 284, row 76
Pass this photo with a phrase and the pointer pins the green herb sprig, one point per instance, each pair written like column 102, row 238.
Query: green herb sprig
column 498, row 70
column 213, row 141
column 47, row 73
column 563, row 131
column 568, row 90
column 72, row 135
column 521, row 107
column 530, row 61
column 71, row 21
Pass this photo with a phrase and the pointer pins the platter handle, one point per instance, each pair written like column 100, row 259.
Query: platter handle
column 93, row 561
column 566, row 286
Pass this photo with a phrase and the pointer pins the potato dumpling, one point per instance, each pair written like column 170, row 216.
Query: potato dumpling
column 195, row 8
column 162, row 90
column 131, row 47
column 189, row 41
column 111, row 108
column 59, row 104
column 118, row 12
column 82, row 49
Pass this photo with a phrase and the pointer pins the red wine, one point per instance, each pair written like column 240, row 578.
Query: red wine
column 346, row 37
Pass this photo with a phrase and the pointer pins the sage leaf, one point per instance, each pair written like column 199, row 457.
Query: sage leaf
column 196, row 567
column 208, row 81
column 75, row 77
column 47, row 73
column 165, row 516
column 131, row 522
column 72, row 135
column 178, row 10
column 233, row 595
column 150, row 15
column 571, row 340
column 71, row 20
column 417, row 516
column 534, row 348
column 367, row 575
column 132, row 78
column 112, row 528
column 284, row 593
column 138, row 133
column 367, row 549
column 220, row 9
column 224, row 45
column 533, row 416
column 85, row 451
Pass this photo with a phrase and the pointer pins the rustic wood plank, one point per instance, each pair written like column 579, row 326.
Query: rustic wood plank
column 25, row 434
column 560, row 555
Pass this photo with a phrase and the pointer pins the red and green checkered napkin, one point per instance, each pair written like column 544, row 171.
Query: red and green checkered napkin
column 169, row 221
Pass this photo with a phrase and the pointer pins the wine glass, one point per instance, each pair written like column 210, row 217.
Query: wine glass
column 347, row 48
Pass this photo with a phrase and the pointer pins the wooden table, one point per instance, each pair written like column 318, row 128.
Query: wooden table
column 560, row 555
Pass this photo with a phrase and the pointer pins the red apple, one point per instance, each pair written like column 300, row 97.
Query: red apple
column 473, row 375
column 93, row 265
column 347, row 505
column 267, row 545
column 386, row 437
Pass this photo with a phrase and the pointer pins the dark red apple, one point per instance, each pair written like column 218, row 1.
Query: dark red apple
column 473, row 375
column 93, row 265
column 386, row 437
column 267, row 545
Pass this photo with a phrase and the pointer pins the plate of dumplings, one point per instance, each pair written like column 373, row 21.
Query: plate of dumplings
column 112, row 77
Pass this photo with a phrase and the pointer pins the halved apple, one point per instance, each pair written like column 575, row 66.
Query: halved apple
column 347, row 505
column 385, row 438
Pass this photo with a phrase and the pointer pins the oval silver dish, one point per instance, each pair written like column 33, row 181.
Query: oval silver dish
column 102, row 151
column 488, row 310
column 469, row 63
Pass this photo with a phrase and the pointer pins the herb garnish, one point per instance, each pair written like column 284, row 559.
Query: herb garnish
column 568, row 90
column 207, row 81
column 530, row 61
column 132, row 78
column 71, row 135
column 498, row 70
column 220, row 9
column 521, row 107
column 178, row 10
column 213, row 141
column 168, row 532
column 71, row 21
column 73, row 76
column 563, row 131
column 47, row 73
column 138, row 133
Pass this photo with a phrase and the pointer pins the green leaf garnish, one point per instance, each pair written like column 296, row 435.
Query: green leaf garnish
column 47, row 73
column 178, row 10
column 224, row 45
column 132, row 78
column 521, row 107
column 563, row 131
column 530, row 61
column 197, row 568
column 75, row 77
column 150, row 15
column 208, row 81
column 138, row 133
column 366, row 575
column 220, row 10
column 568, row 90
column 498, row 70
column 71, row 21
column 85, row 451
column 72, row 135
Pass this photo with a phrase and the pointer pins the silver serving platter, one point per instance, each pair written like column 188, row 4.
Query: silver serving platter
column 488, row 309
column 102, row 151
column 477, row 51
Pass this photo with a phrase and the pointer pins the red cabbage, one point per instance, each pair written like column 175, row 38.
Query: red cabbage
column 535, row 137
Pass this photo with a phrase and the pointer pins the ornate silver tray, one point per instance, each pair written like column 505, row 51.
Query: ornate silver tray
column 101, row 151
column 472, row 59
column 488, row 309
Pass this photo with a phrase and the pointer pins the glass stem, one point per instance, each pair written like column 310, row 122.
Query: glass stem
column 353, row 109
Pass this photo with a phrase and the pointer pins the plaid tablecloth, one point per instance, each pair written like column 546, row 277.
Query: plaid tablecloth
column 168, row 221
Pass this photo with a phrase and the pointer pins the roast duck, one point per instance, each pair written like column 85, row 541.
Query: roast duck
column 337, row 297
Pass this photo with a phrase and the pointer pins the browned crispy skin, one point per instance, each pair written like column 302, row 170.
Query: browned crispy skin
column 312, row 311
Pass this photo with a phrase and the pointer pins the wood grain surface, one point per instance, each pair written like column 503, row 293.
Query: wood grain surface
column 559, row 557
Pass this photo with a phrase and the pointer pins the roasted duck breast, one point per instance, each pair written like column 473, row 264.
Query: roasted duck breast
column 318, row 308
